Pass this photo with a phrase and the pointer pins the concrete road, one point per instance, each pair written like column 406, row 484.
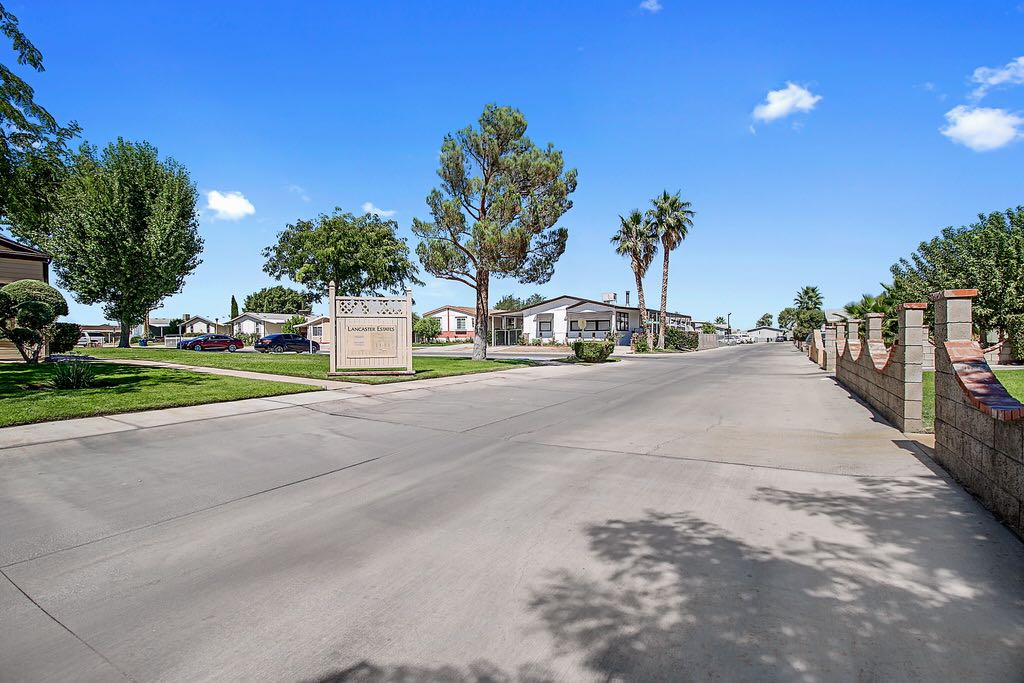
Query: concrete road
column 729, row 515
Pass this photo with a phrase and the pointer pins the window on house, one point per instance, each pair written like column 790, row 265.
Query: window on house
column 622, row 322
column 460, row 324
column 318, row 330
column 574, row 325
column 544, row 325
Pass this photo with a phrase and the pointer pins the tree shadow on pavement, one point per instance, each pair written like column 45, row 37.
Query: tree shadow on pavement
column 900, row 580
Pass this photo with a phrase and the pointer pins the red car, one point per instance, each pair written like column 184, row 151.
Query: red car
column 212, row 342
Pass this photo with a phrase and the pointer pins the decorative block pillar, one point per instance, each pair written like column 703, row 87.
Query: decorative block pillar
column 952, row 411
column 828, row 358
column 909, row 362
column 853, row 329
column 953, row 315
column 875, row 326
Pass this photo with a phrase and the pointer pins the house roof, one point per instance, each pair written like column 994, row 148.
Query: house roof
column 468, row 310
column 160, row 322
column 200, row 317
column 12, row 249
column 580, row 300
column 99, row 328
column 266, row 317
column 314, row 320
column 765, row 327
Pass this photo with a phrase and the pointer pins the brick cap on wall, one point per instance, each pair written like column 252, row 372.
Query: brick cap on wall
column 954, row 294
column 914, row 306
column 875, row 315
column 981, row 387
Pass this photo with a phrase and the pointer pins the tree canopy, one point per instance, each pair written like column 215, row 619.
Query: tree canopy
column 33, row 146
column 808, row 298
column 234, row 307
column 122, row 230
column 987, row 255
column 765, row 320
column 510, row 302
column 277, row 299
column 637, row 240
column 496, row 210
column 672, row 219
column 363, row 255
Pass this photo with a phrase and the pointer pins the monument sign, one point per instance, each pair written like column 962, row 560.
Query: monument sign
column 372, row 335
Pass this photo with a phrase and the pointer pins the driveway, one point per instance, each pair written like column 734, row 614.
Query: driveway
column 728, row 515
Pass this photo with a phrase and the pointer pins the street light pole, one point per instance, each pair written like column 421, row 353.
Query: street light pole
column 728, row 321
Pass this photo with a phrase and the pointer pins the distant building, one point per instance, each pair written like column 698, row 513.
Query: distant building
column 765, row 334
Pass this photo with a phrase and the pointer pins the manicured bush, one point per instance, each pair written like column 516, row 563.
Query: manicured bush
column 593, row 350
column 28, row 309
column 73, row 375
column 680, row 340
column 640, row 343
column 65, row 337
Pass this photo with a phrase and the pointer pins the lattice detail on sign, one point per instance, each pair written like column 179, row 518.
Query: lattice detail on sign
column 370, row 307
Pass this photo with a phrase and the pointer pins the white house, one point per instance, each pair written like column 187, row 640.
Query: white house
column 318, row 329
column 260, row 323
column 765, row 334
column 565, row 318
column 456, row 321
column 200, row 325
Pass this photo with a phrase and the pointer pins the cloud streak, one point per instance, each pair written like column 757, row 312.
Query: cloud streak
column 784, row 102
column 368, row 207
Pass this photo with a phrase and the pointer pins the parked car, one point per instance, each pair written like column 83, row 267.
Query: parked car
column 780, row 338
column 211, row 342
column 279, row 343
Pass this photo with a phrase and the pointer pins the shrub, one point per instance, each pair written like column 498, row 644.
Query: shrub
column 134, row 340
column 1015, row 331
column 640, row 343
column 593, row 350
column 247, row 338
column 65, row 337
column 536, row 342
column 289, row 325
column 73, row 375
column 28, row 309
column 680, row 340
column 427, row 329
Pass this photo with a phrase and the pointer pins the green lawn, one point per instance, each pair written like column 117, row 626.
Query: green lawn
column 25, row 396
column 1013, row 380
column 305, row 365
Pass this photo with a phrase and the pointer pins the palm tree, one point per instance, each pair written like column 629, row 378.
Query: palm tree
column 672, row 219
column 876, row 304
column 808, row 299
column 637, row 239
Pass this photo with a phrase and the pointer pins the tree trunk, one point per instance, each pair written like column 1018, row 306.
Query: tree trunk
column 663, row 317
column 126, row 335
column 643, row 311
column 483, row 281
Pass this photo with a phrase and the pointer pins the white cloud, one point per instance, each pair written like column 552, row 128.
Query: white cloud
column 981, row 128
column 368, row 207
column 651, row 6
column 789, row 100
column 300, row 191
column 988, row 77
column 229, row 206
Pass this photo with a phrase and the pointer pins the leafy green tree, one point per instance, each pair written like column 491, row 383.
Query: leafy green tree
column 533, row 300
column 707, row 328
column 496, row 210
column 638, row 241
column 672, row 219
column 174, row 325
column 33, row 146
column 808, row 299
column 234, row 307
column 363, row 255
column 28, row 311
column 787, row 318
column 765, row 320
column 720, row 320
column 987, row 255
column 806, row 321
column 277, row 299
column 122, row 230
column 509, row 302
column 289, row 325
column 427, row 328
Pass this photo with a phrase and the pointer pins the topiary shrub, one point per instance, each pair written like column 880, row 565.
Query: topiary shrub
column 73, row 375
column 65, row 337
column 593, row 350
column 28, row 309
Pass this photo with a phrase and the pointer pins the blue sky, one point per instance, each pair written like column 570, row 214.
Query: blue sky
column 302, row 107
